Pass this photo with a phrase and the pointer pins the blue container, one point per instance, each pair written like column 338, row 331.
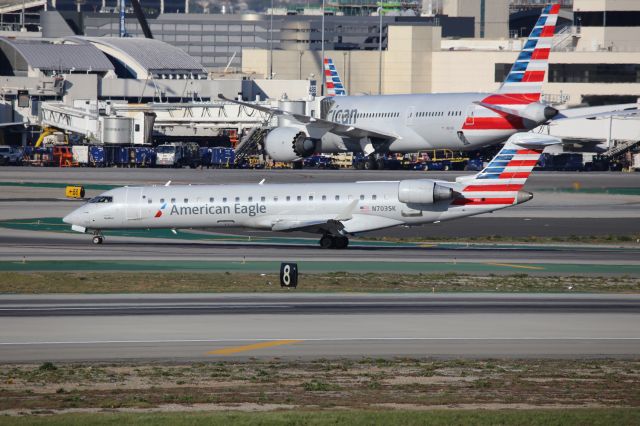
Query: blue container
column 222, row 157
column 96, row 156
column 144, row 156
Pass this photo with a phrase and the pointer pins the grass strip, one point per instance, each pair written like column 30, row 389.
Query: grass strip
column 593, row 417
column 220, row 282
column 373, row 385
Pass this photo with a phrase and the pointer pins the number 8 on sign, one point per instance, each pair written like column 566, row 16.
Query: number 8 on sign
column 289, row 275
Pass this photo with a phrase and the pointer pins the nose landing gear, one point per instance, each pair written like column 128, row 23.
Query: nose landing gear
column 329, row 241
column 98, row 238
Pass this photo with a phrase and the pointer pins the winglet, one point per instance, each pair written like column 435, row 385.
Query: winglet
column 347, row 213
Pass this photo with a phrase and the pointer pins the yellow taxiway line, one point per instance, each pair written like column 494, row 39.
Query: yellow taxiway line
column 261, row 345
column 509, row 265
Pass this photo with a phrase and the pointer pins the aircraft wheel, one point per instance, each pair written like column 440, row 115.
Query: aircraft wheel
column 370, row 164
column 97, row 240
column 341, row 243
column 326, row 242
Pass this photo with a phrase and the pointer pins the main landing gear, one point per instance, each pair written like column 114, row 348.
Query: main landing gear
column 98, row 238
column 329, row 241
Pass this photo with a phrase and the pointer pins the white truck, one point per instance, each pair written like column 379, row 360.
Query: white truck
column 178, row 154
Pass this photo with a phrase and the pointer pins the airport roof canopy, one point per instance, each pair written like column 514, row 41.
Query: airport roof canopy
column 145, row 57
column 48, row 56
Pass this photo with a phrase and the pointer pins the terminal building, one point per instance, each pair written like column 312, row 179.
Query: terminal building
column 57, row 54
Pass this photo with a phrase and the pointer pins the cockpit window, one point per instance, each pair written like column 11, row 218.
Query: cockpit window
column 101, row 199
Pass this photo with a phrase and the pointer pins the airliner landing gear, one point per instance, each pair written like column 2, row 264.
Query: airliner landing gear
column 98, row 238
column 334, row 242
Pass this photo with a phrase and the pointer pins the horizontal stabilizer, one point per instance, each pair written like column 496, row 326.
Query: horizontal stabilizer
column 533, row 140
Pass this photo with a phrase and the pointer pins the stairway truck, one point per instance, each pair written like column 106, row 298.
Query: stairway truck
column 178, row 154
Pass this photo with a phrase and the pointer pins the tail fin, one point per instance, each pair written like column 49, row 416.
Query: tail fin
column 500, row 183
column 333, row 82
column 523, row 84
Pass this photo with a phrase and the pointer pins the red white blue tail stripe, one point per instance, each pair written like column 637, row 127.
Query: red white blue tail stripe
column 523, row 84
column 498, row 184
column 332, row 79
column 527, row 74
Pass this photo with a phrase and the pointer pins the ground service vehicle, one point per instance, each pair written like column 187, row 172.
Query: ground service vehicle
column 10, row 155
column 178, row 154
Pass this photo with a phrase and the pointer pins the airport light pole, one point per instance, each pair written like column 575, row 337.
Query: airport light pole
column 380, row 53
column 324, row 77
column 271, row 43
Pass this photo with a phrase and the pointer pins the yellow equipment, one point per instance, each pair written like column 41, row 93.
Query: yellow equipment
column 46, row 132
column 74, row 191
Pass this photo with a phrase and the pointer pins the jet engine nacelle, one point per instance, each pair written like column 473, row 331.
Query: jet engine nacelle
column 288, row 144
column 423, row 191
column 538, row 112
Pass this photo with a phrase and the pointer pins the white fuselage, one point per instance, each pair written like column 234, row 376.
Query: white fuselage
column 359, row 206
column 421, row 122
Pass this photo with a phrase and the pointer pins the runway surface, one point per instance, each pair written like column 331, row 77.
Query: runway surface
column 28, row 251
column 205, row 327
column 565, row 205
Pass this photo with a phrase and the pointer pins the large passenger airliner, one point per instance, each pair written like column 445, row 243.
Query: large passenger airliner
column 334, row 210
column 410, row 123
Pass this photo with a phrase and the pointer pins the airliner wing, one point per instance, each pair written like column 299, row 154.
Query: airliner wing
column 627, row 112
column 308, row 225
column 326, row 125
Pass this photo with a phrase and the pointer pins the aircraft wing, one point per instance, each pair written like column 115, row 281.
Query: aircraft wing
column 332, row 225
column 309, row 225
column 627, row 112
column 326, row 125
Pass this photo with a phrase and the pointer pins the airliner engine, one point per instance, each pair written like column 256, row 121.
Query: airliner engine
column 538, row 112
column 288, row 144
column 423, row 191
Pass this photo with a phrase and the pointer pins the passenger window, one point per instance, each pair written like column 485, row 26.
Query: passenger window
column 262, row 198
column 374, row 197
column 150, row 200
column 310, row 197
column 224, row 200
column 337, row 198
column 275, row 199
column 324, row 198
column 211, row 200
column 186, row 200
column 173, row 200
column 288, row 198
column 250, row 199
column 237, row 199
column 161, row 200
column 362, row 197
column 299, row 198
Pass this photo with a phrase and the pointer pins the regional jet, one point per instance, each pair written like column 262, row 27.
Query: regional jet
column 333, row 210
column 414, row 122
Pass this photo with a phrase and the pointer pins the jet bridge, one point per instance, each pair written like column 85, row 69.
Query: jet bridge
column 106, row 122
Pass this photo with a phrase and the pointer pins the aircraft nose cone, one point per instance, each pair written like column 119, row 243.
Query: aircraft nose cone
column 71, row 218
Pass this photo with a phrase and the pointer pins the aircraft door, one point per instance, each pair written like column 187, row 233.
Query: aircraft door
column 469, row 120
column 133, row 204
column 411, row 112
